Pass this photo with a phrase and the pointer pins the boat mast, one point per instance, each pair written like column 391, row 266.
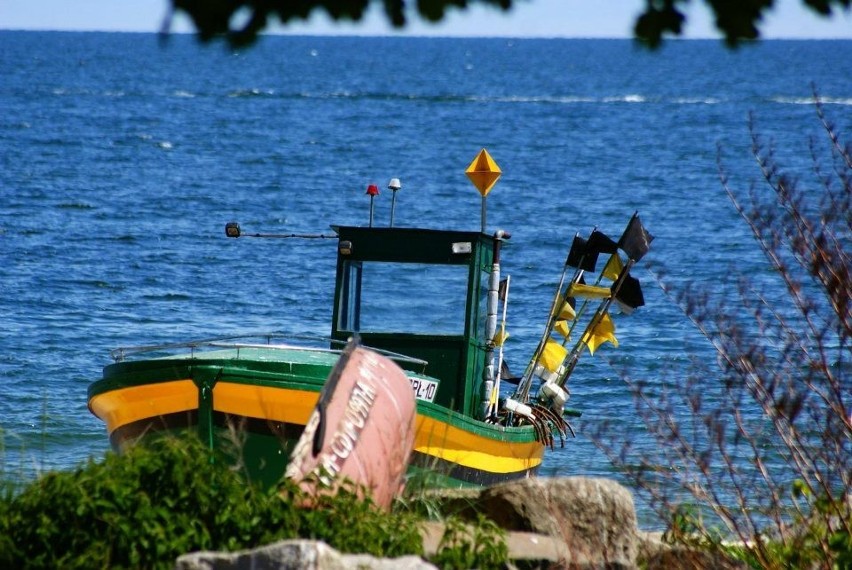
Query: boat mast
column 491, row 322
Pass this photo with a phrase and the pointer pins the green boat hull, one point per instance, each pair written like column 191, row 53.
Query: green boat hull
column 252, row 404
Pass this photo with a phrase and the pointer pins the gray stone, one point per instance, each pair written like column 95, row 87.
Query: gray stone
column 295, row 555
column 595, row 518
column 656, row 554
column 526, row 549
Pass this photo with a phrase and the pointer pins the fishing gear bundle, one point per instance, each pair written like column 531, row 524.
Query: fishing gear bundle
column 578, row 305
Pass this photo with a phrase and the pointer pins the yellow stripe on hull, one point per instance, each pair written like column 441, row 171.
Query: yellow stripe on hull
column 444, row 441
column 124, row 406
column 118, row 408
column 433, row 437
column 263, row 402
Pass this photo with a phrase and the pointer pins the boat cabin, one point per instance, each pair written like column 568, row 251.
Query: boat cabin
column 419, row 293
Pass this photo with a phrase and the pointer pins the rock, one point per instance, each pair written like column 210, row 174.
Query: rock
column 684, row 558
column 295, row 555
column 595, row 518
column 650, row 545
column 526, row 549
column 532, row 550
column 656, row 554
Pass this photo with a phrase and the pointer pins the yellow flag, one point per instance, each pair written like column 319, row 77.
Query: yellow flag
column 500, row 337
column 613, row 267
column 588, row 291
column 552, row 355
column 562, row 328
column 567, row 312
column 603, row 332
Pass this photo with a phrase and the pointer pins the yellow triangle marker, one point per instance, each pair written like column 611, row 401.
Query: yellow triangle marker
column 483, row 172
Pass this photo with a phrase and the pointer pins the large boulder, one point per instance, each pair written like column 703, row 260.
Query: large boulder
column 595, row 518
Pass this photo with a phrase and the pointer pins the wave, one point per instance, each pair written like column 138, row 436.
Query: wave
column 168, row 297
column 632, row 98
column 561, row 99
column 75, row 92
column 252, row 93
column 696, row 100
column 99, row 284
column 810, row 100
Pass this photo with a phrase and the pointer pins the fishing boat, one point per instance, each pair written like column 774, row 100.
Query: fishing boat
column 428, row 300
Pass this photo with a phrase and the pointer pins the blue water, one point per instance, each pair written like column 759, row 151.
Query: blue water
column 121, row 160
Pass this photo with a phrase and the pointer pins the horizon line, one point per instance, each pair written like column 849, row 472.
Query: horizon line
column 420, row 35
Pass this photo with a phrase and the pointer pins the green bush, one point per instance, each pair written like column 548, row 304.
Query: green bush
column 158, row 501
column 168, row 497
column 463, row 546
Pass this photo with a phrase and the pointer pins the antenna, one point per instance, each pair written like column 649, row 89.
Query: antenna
column 393, row 185
column 232, row 230
column 372, row 191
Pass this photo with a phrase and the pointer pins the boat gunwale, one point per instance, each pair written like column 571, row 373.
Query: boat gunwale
column 120, row 354
column 238, row 378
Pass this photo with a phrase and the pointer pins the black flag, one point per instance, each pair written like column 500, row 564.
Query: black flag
column 630, row 293
column 601, row 243
column 584, row 253
column 581, row 255
column 501, row 289
column 507, row 376
column 635, row 241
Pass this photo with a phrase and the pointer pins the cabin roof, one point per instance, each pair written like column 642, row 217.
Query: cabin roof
column 414, row 245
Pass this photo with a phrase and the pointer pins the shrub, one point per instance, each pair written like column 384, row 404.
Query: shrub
column 481, row 545
column 761, row 451
column 158, row 501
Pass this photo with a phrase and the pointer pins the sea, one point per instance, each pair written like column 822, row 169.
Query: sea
column 123, row 156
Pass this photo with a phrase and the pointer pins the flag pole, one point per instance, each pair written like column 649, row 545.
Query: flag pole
column 583, row 250
column 491, row 321
column 526, row 380
column 495, row 392
column 635, row 241
column 483, row 172
column 574, row 355
column 582, row 310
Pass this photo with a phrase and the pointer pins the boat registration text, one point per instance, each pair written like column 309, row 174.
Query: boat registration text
column 424, row 389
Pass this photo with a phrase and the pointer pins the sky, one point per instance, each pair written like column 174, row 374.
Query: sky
column 529, row 18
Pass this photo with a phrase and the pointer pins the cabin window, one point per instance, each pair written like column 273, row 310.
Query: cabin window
column 404, row 297
column 350, row 299
column 483, row 303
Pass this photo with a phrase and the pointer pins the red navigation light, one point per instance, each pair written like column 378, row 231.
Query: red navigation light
column 373, row 190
